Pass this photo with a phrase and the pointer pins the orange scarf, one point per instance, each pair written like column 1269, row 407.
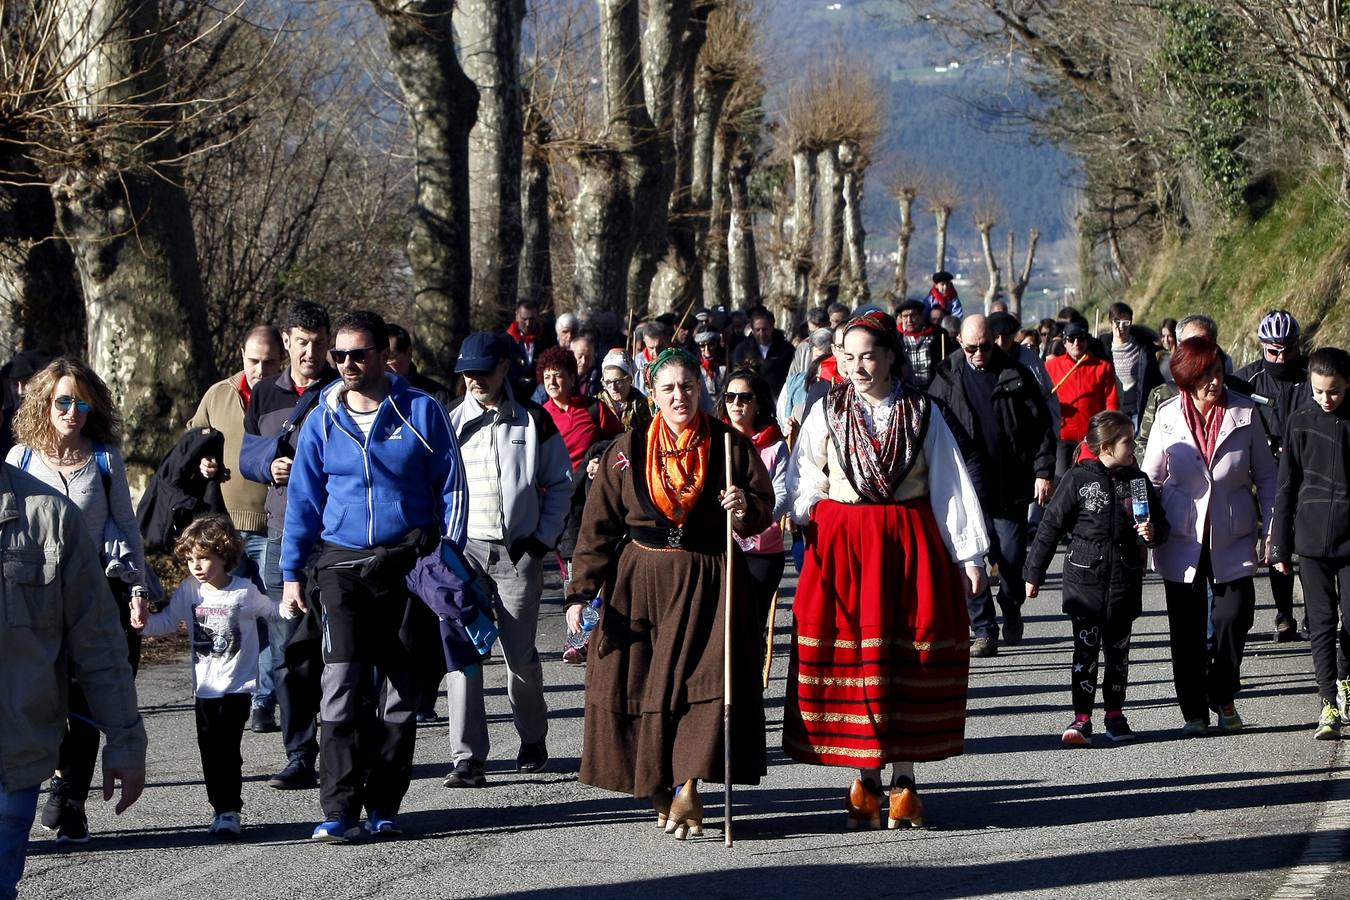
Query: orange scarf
column 677, row 466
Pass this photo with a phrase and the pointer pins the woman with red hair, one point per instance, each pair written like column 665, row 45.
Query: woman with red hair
column 1206, row 452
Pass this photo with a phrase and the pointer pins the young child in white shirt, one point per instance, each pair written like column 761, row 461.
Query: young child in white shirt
column 221, row 612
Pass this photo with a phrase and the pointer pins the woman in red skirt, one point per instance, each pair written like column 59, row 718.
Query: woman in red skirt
column 895, row 542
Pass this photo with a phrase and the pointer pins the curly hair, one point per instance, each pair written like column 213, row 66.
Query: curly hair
column 556, row 358
column 211, row 533
column 33, row 420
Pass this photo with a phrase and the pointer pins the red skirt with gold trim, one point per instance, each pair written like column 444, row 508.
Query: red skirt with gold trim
column 880, row 640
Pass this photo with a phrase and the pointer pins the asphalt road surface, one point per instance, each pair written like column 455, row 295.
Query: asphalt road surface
column 1259, row 814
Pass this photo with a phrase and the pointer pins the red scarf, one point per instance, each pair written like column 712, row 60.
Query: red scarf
column 1206, row 433
column 514, row 331
column 244, row 390
column 923, row 331
column 829, row 370
column 766, row 437
column 941, row 302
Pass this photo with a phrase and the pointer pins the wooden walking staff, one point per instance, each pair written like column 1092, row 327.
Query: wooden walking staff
column 726, row 650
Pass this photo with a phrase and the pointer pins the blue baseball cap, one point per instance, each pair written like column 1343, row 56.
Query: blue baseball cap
column 481, row 351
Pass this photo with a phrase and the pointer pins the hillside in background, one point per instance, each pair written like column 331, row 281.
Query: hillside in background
column 1294, row 254
column 937, row 123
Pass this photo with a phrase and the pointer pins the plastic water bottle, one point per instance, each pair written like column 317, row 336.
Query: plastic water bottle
column 1139, row 498
column 590, row 617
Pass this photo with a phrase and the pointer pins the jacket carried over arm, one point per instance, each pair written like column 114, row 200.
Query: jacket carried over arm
column 361, row 492
column 222, row 408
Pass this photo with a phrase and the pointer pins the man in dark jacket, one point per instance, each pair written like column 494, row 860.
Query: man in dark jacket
column 271, row 406
column 773, row 350
column 997, row 412
column 1280, row 375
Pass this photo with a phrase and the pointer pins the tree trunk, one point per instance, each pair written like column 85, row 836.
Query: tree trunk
column 536, row 258
column 443, row 104
column 652, row 157
column 716, row 279
column 1019, row 285
column 126, row 218
column 903, row 240
column 601, row 232
column 1117, row 257
column 803, row 224
column 489, row 39
column 855, row 238
column 826, row 287
column 742, row 259
column 992, row 288
column 943, row 215
column 40, row 301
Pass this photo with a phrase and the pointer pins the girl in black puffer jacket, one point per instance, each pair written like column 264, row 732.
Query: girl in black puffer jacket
column 1104, row 568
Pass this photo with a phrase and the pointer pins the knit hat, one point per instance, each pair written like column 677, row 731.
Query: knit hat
column 617, row 359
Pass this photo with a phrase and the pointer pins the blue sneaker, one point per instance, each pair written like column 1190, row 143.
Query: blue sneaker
column 380, row 827
column 337, row 830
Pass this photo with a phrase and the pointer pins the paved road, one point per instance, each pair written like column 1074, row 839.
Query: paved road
column 1018, row 815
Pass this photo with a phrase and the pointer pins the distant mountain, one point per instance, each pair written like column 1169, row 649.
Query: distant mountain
column 936, row 123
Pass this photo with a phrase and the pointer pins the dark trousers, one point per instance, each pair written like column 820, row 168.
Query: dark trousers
column 766, row 571
column 1326, row 602
column 297, row 694
column 1203, row 677
column 79, row 748
column 1008, row 551
column 1097, row 644
column 369, row 724
column 220, row 730
column 1065, row 451
column 1282, row 591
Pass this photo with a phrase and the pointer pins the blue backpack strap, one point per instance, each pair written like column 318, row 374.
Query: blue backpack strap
column 26, row 458
column 104, row 462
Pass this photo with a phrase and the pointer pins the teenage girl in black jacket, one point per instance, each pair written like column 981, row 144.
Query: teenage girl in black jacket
column 1104, row 567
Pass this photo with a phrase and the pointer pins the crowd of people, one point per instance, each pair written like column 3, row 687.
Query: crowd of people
column 920, row 468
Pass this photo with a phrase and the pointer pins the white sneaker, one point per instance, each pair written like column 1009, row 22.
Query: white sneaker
column 226, row 825
column 1343, row 697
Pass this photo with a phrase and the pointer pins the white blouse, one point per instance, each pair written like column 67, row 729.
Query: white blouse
column 814, row 475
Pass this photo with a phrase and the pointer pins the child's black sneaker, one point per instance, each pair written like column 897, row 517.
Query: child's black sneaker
column 1118, row 729
column 1079, row 733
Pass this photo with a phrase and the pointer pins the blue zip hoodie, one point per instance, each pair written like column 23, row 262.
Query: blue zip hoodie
column 359, row 492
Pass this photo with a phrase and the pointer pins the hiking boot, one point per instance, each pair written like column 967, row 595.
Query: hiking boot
column 56, row 803
column 467, row 773
column 984, row 647
column 74, row 825
column 298, row 775
column 532, row 758
column 1079, row 732
column 1328, row 724
column 263, row 721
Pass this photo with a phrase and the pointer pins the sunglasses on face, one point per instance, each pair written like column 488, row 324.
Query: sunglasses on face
column 64, row 404
column 1275, row 350
column 739, row 397
column 357, row 354
column 972, row 349
column 1075, row 340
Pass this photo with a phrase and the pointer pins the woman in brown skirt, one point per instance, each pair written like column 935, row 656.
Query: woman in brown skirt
column 652, row 543
column 895, row 542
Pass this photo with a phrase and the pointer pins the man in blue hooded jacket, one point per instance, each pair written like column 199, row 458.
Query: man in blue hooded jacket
column 377, row 475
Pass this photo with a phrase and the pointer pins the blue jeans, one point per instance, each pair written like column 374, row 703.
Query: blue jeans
column 17, row 809
column 1008, row 551
column 297, row 701
column 255, row 549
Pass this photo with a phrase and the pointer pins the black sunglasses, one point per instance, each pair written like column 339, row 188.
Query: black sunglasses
column 739, row 397
column 358, row 355
column 972, row 349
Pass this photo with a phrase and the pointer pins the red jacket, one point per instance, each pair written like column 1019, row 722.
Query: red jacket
column 584, row 423
column 1090, row 389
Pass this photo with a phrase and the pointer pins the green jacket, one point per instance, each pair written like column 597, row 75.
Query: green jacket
column 59, row 621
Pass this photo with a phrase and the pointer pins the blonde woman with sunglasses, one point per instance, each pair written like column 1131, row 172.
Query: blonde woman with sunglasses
column 66, row 422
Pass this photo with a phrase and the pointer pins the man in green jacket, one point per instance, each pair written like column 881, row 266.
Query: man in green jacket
column 59, row 620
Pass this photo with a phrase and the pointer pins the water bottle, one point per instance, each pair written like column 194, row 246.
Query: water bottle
column 590, row 617
column 1139, row 497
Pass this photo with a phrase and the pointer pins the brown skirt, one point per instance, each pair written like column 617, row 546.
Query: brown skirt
column 654, row 679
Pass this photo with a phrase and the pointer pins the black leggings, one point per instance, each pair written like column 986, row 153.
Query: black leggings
column 766, row 571
column 1093, row 640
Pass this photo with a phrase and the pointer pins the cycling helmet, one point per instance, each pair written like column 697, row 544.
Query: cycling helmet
column 1277, row 327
